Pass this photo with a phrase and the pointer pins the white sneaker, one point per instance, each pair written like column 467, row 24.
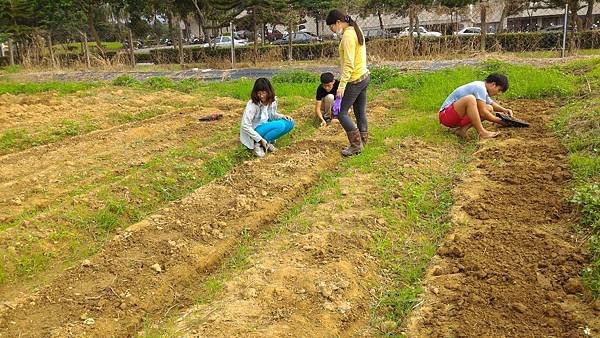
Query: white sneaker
column 271, row 147
column 258, row 150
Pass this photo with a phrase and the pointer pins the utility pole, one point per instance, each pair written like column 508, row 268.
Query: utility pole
column 564, row 42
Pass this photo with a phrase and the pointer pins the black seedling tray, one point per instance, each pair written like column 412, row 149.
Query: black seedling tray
column 512, row 121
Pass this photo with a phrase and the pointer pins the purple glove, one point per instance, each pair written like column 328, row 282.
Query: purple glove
column 337, row 105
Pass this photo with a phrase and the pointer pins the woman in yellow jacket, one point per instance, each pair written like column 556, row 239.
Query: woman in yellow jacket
column 354, row 79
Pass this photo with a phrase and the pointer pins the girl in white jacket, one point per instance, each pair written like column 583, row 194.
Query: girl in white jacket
column 261, row 123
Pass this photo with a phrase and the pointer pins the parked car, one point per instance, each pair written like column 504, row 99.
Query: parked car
column 472, row 31
column 225, row 41
column 556, row 29
column 371, row 34
column 273, row 35
column 421, row 31
column 137, row 44
column 299, row 37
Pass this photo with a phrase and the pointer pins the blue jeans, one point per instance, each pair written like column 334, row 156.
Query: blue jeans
column 273, row 130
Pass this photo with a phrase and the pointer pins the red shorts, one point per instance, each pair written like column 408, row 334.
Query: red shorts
column 449, row 117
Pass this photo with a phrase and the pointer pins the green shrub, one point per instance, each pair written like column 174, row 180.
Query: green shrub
column 126, row 81
column 587, row 198
column 188, row 85
column 159, row 82
column 382, row 74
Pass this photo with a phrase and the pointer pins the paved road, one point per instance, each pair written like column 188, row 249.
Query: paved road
column 227, row 74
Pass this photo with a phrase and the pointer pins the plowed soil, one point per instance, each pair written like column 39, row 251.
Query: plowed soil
column 39, row 182
column 118, row 287
column 511, row 266
column 320, row 278
column 509, row 269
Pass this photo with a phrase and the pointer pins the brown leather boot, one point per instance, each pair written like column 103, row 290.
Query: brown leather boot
column 355, row 146
column 364, row 137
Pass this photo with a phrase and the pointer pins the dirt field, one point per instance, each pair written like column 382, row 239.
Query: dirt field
column 159, row 227
column 511, row 266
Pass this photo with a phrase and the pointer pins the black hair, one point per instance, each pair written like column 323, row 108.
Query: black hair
column 327, row 77
column 262, row 84
column 499, row 80
column 337, row 15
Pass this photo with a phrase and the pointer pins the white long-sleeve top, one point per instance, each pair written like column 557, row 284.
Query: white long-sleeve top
column 255, row 115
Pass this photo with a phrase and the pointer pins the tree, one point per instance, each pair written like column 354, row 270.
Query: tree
column 17, row 17
column 589, row 15
column 509, row 8
column 317, row 9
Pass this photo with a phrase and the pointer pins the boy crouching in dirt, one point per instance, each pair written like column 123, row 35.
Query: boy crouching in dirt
column 325, row 98
column 262, row 125
column 471, row 104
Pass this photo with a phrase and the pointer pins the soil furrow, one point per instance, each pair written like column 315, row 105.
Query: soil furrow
column 119, row 286
column 35, row 177
column 36, row 112
column 511, row 266
column 322, row 276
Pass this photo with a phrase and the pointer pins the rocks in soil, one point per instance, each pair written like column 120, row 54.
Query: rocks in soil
column 344, row 307
column 573, row 286
column 326, row 290
column 451, row 251
column 250, row 293
column 519, row 307
column 543, row 281
column 156, row 267
column 86, row 263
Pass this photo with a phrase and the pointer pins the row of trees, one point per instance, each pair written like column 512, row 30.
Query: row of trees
column 105, row 20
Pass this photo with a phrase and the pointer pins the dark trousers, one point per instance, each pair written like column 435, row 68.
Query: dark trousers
column 355, row 95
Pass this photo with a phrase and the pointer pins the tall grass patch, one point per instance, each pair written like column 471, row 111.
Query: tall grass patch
column 578, row 125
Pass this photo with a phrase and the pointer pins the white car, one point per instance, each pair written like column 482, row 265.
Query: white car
column 468, row 31
column 225, row 41
column 422, row 31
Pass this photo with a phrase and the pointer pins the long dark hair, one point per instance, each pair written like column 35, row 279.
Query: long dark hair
column 337, row 15
column 263, row 84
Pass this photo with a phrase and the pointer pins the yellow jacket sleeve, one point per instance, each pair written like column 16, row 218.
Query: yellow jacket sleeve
column 348, row 47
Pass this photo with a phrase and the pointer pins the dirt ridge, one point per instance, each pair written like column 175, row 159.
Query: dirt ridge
column 118, row 287
column 511, row 266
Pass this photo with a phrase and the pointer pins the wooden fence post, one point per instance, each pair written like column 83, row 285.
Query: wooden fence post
column 132, row 55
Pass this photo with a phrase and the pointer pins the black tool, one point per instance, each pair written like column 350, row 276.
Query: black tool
column 511, row 121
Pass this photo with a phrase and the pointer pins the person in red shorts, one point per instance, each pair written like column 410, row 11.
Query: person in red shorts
column 471, row 104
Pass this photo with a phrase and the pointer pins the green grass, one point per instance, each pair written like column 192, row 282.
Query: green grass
column 126, row 117
column 578, row 125
column 11, row 69
column 66, row 87
column 19, row 139
column 159, row 83
column 75, row 47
